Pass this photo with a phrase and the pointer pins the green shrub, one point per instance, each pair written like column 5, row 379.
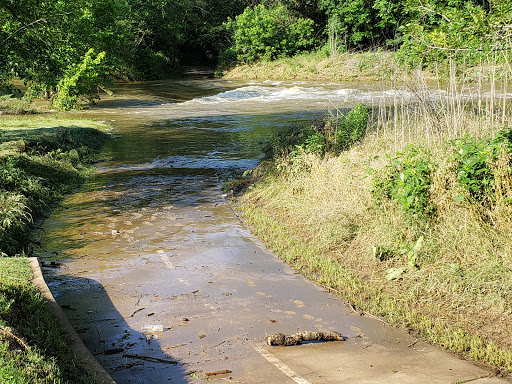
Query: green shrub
column 351, row 128
column 408, row 177
column 474, row 159
column 293, row 139
column 269, row 33
column 407, row 180
column 328, row 136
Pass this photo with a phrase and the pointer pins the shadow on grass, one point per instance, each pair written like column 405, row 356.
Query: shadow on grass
column 32, row 346
column 129, row 355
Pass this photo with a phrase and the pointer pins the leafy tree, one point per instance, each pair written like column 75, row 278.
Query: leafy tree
column 463, row 29
column 269, row 32
column 364, row 22
column 39, row 40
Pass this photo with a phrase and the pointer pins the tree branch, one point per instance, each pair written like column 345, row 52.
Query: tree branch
column 23, row 27
column 437, row 13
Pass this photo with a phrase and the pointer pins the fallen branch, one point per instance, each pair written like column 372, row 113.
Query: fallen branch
column 223, row 372
column 151, row 359
column 299, row 337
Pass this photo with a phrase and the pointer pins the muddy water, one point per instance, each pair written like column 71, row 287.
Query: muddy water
column 155, row 271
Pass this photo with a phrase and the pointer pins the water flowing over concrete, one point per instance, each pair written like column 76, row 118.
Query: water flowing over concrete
column 165, row 284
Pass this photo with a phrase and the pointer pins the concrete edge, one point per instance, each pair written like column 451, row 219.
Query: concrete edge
column 86, row 360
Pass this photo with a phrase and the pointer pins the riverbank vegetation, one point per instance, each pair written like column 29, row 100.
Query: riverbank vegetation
column 403, row 208
column 41, row 159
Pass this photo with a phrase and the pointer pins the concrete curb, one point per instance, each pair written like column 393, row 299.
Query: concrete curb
column 84, row 357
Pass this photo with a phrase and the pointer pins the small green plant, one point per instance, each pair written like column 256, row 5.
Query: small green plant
column 407, row 180
column 13, row 210
column 411, row 255
column 81, row 82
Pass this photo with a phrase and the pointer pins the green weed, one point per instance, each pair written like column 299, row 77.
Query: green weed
column 407, row 180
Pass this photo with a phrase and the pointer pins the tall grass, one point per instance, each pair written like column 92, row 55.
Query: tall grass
column 445, row 274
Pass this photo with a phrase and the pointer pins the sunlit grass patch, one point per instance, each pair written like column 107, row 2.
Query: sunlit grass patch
column 32, row 346
column 320, row 66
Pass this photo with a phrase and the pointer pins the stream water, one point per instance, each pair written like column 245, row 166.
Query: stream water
column 154, row 270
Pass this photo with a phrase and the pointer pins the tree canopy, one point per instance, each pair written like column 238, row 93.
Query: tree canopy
column 46, row 42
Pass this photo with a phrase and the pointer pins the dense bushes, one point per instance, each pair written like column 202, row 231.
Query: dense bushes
column 474, row 172
column 331, row 135
column 269, row 32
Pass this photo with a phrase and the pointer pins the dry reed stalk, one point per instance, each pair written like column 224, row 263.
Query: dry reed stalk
column 10, row 335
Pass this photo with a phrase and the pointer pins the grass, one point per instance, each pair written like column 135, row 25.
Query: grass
column 32, row 347
column 452, row 268
column 318, row 66
column 41, row 159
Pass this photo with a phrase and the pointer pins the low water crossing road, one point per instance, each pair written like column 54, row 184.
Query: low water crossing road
column 165, row 284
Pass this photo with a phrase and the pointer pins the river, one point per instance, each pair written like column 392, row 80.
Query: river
column 161, row 279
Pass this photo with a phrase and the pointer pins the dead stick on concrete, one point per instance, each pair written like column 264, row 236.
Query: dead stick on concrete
column 151, row 359
column 299, row 337
column 222, row 372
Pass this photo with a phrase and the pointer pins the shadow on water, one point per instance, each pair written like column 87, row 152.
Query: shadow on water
column 129, row 355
